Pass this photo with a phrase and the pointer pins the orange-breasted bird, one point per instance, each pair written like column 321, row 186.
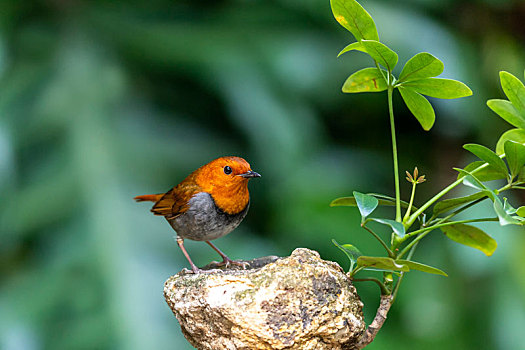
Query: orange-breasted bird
column 208, row 204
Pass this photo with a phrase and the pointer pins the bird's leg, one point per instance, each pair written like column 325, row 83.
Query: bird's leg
column 227, row 261
column 180, row 242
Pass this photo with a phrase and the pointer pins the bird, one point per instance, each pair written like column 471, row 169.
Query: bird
column 208, row 204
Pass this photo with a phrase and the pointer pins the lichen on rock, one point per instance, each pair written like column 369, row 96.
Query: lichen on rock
column 297, row 302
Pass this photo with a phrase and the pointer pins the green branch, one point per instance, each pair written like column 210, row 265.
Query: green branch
column 384, row 290
column 390, row 83
column 394, row 151
column 424, row 231
column 390, row 253
column 434, row 199
column 407, row 214
column 356, row 270
column 456, row 212
column 398, row 284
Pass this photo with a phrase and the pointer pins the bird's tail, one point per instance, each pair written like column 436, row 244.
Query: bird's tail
column 149, row 198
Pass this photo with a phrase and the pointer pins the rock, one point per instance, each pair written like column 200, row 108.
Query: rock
column 298, row 302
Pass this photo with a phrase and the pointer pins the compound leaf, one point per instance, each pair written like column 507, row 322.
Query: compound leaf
column 420, row 66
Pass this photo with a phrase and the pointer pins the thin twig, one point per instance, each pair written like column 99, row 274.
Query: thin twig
column 390, row 253
column 374, row 327
column 423, row 232
column 456, row 212
column 383, row 288
column 398, row 284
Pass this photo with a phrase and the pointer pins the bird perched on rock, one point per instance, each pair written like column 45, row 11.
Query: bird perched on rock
column 208, row 204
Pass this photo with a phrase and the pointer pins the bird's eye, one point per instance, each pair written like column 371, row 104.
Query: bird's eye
column 227, row 170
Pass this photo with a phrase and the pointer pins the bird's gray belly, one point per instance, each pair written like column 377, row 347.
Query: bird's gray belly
column 204, row 221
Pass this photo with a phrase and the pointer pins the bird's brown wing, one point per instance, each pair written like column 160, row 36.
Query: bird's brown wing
column 175, row 201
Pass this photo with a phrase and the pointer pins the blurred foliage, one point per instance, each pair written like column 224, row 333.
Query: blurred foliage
column 101, row 101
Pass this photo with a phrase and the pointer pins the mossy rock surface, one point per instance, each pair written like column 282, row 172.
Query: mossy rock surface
column 297, row 302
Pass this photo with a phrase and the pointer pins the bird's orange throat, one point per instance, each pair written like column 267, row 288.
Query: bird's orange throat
column 229, row 191
column 231, row 199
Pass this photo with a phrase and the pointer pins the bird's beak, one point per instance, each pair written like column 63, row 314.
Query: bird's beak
column 250, row 174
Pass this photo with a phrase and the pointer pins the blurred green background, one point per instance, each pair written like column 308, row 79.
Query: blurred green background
column 101, row 101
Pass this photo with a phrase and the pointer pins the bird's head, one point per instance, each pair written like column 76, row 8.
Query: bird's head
column 226, row 179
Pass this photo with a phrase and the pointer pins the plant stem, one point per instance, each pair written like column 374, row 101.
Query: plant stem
column 448, row 223
column 440, row 220
column 432, row 200
column 504, row 188
column 390, row 253
column 387, row 79
column 394, row 151
column 384, row 305
column 398, row 284
column 407, row 215
column 384, row 290
column 356, row 270
column 390, row 82
column 454, row 213
column 424, row 231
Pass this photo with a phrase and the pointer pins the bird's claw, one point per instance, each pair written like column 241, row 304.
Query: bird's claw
column 227, row 262
column 244, row 264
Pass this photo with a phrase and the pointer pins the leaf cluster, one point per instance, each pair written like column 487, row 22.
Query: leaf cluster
column 417, row 81
column 417, row 78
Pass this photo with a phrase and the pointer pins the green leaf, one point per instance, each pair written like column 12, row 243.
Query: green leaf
column 419, row 106
column 472, row 181
column 488, row 173
column 365, row 80
column 351, row 251
column 471, row 236
column 345, row 202
column 488, row 156
column 516, row 135
column 439, row 88
column 382, row 263
column 381, row 53
column 352, row 16
column 506, row 110
column 452, row 203
column 387, row 200
column 515, row 153
column 365, row 203
column 514, row 90
column 503, row 216
column 521, row 211
column 397, row 227
column 412, row 265
column 383, row 200
column 353, row 46
column 423, row 65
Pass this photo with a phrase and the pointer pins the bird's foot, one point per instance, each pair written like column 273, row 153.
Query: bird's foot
column 226, row 262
